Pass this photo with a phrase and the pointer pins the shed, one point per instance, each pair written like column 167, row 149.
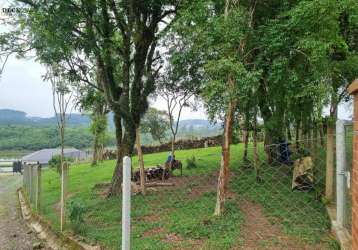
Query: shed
column 43, row 156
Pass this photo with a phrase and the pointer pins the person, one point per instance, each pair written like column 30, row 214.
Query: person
column 170, row 158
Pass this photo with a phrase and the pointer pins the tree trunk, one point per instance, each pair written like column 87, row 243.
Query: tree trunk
column 321, row 134
column 315, row 143
column 173, row 155
column 62, row 135
column 173, row 145
column 256, row 155
column 95, row 150
column 117, row 175
column 268, row 148
column 225, row 161
column 100, row 155
column 297, row 135
column 330, row 147
column 246, row 142
column 125, row 145
column 288, row 127
column 141, row 161
column 309, row 138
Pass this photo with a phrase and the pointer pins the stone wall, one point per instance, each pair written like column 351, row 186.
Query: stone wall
column 166, row 147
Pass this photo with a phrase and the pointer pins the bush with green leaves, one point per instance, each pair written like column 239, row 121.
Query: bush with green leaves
column 76, row 211
column 55, row 162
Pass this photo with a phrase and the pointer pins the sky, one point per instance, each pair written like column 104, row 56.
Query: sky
column 22, row 88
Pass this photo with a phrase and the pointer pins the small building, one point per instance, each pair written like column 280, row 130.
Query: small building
column 43, row 156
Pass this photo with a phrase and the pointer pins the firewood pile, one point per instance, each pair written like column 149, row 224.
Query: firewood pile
column 179, row 145
column 155, row 173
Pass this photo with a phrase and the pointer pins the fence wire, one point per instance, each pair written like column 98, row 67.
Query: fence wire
column 348, row 177
column 32, row 184
column 274, row 200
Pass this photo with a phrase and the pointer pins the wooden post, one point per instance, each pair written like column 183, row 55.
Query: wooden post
column 141, row 161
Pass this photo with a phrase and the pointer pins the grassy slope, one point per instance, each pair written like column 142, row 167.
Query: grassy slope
column 175, row 213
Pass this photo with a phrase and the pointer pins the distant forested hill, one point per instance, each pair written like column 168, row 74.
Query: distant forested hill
column 21, row 132
column 26, row 137
column 14, row 117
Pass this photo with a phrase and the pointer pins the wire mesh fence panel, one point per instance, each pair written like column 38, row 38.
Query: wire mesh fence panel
column 274, row 200
column 288, row 189
column 348, row 175
column 32, row 184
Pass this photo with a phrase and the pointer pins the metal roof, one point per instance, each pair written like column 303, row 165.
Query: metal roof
column 43, row 156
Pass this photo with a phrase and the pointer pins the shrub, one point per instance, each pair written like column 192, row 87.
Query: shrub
column 55, row 162
column 191, row 162
column 76, row 211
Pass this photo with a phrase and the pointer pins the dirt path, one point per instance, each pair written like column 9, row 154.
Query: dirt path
column 14, row 234
column 259, row 233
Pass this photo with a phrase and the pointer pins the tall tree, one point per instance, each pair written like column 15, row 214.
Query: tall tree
column 90, row 99
column 220, row 41
column 156, row 123
column 120, row 38
column 319, row 61
column 180, row 81
column 175, row 100
column 98, row 128
column 62, row 98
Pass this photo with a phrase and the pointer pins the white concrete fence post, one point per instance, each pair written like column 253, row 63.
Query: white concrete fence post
column 126, row 203
column 64, row 179
column 38, row 187
column 31, row 184
column 341, row 168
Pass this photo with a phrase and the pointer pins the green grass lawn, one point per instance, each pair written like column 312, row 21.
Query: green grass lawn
column 181, row 217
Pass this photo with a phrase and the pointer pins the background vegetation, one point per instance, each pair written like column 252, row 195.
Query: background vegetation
column 21, row 133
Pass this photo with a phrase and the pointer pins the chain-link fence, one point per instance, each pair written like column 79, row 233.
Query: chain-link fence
column 349, row 157
column 344, row 149
column 286, row 188
column 32, row 184
column 274, row 200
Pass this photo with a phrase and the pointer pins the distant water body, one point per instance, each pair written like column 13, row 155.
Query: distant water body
column 5, row 169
